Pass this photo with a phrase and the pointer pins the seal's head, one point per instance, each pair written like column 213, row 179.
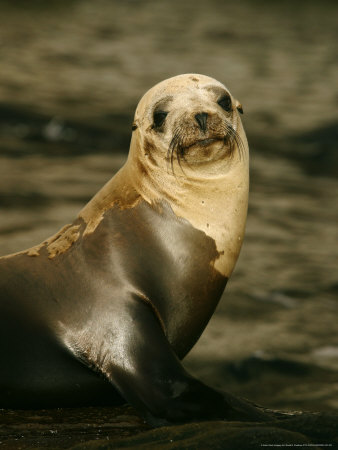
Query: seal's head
column 188, row 121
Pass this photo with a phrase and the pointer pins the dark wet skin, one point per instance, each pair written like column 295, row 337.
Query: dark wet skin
column 114, row 314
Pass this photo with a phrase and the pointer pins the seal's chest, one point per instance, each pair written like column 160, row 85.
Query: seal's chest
column 168, row 261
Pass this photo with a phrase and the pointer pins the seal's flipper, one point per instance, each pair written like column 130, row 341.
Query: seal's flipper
column 148, row 374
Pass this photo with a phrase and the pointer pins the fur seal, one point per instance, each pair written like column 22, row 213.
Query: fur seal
column 108, row 306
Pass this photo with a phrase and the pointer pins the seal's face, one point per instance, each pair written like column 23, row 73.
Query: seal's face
column 190, row 121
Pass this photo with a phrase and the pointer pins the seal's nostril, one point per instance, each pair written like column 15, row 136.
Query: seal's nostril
column 201, row 119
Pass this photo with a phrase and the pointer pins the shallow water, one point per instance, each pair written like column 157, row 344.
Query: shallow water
column 71, row 75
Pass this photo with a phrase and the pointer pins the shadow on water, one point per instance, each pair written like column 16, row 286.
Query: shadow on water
column 315, row 151
column 28, row 132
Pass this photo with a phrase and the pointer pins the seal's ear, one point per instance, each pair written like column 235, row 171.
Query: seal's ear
column 239, row 107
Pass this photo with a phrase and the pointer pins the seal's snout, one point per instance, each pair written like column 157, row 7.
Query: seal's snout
column 201, row 119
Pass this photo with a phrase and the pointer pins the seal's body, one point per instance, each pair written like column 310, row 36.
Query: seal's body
column 127, row 288
column 106, row 283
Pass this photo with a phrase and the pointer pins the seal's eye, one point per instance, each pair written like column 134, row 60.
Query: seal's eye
column 159, row 118
column 225, row 103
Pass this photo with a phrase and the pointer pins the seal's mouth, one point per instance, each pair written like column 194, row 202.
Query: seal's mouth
column 203, row 143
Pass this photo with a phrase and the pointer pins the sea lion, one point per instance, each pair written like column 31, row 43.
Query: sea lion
column 113, row 301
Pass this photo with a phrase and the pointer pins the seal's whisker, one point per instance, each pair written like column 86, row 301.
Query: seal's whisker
column 177, row 148
column 240, row 145
column 180, row 154
column 233, row 139
column 171, row 150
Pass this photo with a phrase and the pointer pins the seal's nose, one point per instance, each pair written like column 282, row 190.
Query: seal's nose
column 201, row 119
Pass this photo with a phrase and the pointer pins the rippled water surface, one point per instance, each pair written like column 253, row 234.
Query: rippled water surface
column 71, row 75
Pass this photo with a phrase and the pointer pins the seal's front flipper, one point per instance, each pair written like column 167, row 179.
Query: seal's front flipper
column 145, row 370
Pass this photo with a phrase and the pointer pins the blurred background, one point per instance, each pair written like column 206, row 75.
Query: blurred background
column 71, row 75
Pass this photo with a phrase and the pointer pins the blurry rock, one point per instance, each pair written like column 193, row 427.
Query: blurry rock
column 65, row 427
column 299, row 430
column 121, row 427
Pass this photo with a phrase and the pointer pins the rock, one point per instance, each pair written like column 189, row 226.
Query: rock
column 122, row 428
column 205, row 435
column 65, row 427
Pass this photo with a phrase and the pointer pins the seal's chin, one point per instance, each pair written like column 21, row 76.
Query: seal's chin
column 204, row 151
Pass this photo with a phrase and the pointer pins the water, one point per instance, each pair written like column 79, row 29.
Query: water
column 71, row 75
